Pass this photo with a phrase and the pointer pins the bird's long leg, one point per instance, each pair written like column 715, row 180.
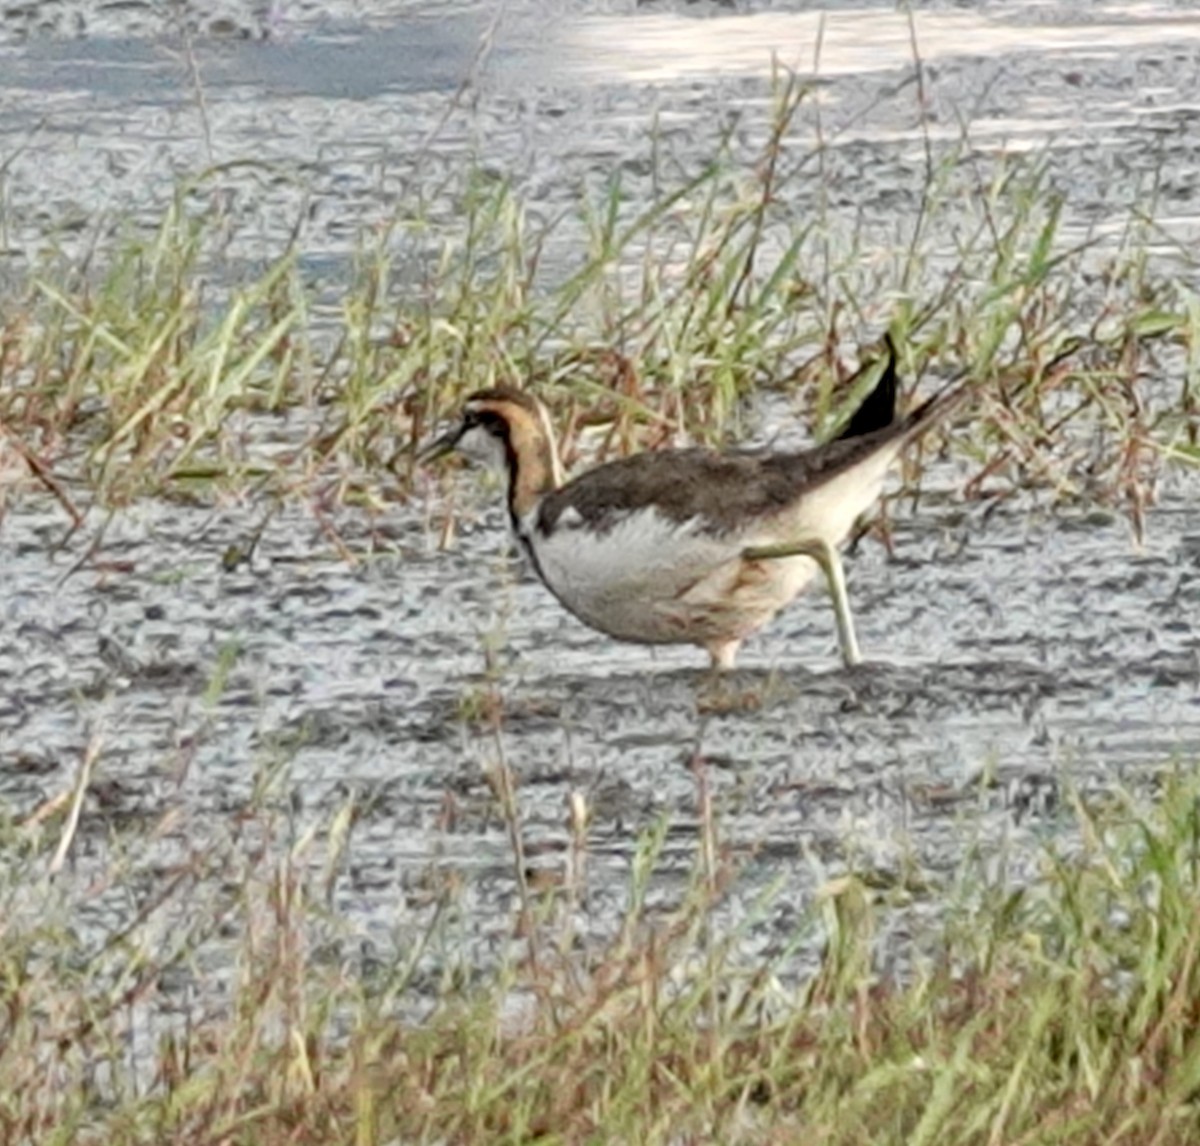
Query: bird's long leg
column 723, row 653
column 826, row 556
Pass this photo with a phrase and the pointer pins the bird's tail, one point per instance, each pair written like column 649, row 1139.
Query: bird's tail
column 878, row 409
column 933, row 410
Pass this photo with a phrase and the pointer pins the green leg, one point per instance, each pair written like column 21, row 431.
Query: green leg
column 831, row 565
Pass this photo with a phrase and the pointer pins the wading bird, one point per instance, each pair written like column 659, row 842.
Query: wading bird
column 689, row 546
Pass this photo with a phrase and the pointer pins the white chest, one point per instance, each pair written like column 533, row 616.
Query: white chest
column 654, row 580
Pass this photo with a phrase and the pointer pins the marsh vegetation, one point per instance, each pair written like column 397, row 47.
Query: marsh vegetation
column 247, row 897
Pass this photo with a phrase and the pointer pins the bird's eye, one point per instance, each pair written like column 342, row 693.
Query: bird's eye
column 490, row 421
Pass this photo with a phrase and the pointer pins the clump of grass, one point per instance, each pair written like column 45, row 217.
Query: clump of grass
column 1063, row 1010
column 157, row 368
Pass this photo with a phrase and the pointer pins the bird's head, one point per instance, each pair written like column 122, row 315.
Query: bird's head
column 508, row 430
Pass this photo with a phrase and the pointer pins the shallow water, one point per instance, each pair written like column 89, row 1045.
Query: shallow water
column 1005, row 657
column 1010, row 652
column 353, row 113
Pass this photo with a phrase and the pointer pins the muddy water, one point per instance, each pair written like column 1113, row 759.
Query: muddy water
column 1006, row 659
column 1009, row 653
column 351, row 115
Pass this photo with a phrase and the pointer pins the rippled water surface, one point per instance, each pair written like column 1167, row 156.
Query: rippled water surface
column 1008, row 651
column 352, row 112
column 1005, row 657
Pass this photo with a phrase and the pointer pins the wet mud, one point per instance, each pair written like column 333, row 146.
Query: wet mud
column 1014, row 657
column 354, row 117
column 1010, row 661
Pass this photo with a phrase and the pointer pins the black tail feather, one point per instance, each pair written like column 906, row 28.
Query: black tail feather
column 878, row 409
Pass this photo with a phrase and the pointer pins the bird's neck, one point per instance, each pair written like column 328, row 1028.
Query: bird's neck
column 533, row 472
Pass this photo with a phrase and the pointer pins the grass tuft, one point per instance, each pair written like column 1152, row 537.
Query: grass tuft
column 161, row 367
column 1063, row 1009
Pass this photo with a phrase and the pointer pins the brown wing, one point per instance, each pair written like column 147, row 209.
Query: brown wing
column 725, row 489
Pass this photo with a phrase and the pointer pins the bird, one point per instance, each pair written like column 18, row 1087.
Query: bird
column 691, row 545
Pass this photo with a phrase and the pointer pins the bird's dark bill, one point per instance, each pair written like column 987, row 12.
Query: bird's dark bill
column 440, row 447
